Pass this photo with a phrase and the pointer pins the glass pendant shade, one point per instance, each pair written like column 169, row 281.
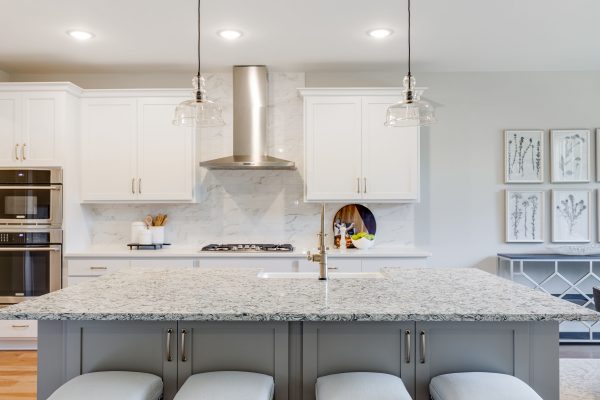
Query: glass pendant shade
column 199, row 111
column 411, row 110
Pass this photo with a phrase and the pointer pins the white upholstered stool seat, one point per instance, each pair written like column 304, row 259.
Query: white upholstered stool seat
column 480, row 385
column 227, row 385
column 113, row 385
column 361, row 386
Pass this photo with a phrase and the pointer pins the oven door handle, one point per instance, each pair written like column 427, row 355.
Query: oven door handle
column 29, row 249
column 28, row 187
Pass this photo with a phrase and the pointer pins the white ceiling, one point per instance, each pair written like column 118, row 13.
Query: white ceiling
column 159, row 35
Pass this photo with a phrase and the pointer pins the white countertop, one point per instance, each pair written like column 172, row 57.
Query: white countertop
column 402, row 294
column 185, row 252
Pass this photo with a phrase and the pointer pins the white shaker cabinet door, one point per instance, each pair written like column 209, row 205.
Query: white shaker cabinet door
column 10, row 125
column 165, row 166
column 109, row 147
column 333, row 148
column 390, row 155
column 43, row 118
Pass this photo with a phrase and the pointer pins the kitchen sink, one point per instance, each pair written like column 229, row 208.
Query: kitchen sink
column 315, row 275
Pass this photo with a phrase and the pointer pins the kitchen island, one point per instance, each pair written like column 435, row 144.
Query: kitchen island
column 413, row 323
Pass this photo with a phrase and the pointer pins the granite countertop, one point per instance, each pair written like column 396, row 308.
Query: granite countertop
column 403, row 294
column 186, row 252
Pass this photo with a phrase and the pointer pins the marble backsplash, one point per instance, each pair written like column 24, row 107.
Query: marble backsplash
column 247, row 206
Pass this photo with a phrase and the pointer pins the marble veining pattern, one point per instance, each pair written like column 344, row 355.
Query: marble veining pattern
column 406, row 294
column 247, row 206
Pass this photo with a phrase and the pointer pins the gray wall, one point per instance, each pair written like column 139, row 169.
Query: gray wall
column 461, row 217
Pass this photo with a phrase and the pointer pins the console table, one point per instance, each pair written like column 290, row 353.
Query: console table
column 568, row 277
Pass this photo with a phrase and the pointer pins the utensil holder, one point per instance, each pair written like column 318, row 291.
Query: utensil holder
column 158, row 234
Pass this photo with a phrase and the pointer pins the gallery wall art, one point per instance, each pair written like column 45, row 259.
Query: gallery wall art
column 523, row 156
column 524, row 216
column 570, row 156
column 571, row 215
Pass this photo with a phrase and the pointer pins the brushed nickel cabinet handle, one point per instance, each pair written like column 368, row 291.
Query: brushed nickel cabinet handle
column 423, row 349
column 358, row 185
column 93, row 268
column 23, row 151
column 407, row 343
column 20, row 326
column 17, row 151
column 183, row 335
column 140, row 185
column 365, row 188
column 169, row 356
column 132, row 185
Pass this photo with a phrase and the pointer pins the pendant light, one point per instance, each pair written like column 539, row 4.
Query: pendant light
column 200, row 110
column 411, row 110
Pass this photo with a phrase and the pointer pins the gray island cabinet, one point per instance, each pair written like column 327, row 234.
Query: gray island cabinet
column 412, row 323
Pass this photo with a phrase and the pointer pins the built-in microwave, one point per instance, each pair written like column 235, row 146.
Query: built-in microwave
column 30, row 263
column 31, row 197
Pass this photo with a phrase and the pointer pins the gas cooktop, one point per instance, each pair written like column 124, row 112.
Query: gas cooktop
column 249, row 247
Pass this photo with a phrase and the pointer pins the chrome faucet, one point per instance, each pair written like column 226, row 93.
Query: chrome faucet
column 321, row 256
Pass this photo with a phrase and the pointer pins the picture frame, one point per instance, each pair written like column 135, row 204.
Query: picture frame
column 524, row 156
column 571, row 215
column 570, row 155
column 598, row 155
column 524, row 216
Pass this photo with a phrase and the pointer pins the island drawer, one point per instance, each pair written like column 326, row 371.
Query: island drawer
column 95, row 267
column 18, row 329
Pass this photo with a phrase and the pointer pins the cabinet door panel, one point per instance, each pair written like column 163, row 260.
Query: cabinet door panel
column 260, row 347
column 337, row 347
column 10, row 125
column 390, row 155
column 470, row 346
column 40, row 127
column 333, row 148
column 165, row 152
column 109, row 133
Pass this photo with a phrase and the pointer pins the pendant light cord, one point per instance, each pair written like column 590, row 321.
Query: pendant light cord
column 408, row 38
column 198, row 39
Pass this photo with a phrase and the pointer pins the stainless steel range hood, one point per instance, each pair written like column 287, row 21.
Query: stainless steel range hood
column 250, row 101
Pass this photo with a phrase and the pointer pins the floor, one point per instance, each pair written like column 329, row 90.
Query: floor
column 18, row 375
column 579, row 374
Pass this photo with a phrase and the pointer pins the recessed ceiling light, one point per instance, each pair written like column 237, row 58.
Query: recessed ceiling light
column 230, row 34
column 80, row 35
column 380, row 33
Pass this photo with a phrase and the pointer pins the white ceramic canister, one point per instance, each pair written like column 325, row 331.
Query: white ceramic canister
column 158, row 234
column 136, row 228
column 145, row 236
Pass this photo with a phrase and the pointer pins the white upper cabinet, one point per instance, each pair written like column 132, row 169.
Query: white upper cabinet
column 109, row 149
column 350, row 155
column 133, row 153
column 33, row 120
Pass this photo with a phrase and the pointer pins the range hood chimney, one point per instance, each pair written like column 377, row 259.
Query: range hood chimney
column 250, row 101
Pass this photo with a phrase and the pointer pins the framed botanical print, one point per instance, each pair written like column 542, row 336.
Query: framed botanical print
column 598, row 156
column 523, row 156
column 571, row 216
column 524, row 216
column 570, row 155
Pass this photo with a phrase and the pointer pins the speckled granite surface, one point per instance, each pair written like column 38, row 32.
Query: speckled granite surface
column 414, row 294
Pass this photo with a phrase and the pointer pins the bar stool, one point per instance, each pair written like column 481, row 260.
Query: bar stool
column 361, row 386
column 480, row 385
column 597, row 298
column 114, row 385
column 227, row 385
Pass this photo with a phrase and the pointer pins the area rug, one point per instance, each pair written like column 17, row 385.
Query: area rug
column 579, row 379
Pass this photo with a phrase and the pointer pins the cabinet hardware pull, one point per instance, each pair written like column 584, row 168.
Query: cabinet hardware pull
column 23, row 151
column 332, row 268
column 140, row 185
column 98, row 267
column 132, row 185
column 365, row 188
column 358, row 185
column 183, row 334
column 407, row 349
column 17, row 151
column 169, row 357
column 423, row 349
column 20, row 326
